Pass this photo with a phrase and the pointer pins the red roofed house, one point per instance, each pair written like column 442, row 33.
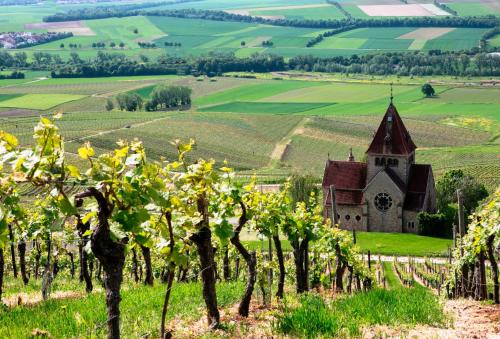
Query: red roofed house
column 386, row 193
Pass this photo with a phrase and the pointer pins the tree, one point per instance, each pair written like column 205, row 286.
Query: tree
column 112, row 44
column 136, row 31
column 243, row 43
column 428, row 90
column 61, row 45
column 122, row 45
column 129, row 101
column 448, row 184
column 109, row 105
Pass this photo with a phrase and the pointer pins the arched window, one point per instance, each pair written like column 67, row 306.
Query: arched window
column 347, row 217
column 358, row 218
column 377, row 161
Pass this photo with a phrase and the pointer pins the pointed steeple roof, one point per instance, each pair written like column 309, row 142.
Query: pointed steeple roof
column 392, row 137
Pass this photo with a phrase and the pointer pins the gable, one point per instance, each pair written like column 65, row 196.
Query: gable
column 384, row 180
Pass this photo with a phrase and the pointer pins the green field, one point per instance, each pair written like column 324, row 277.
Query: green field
column 201, row 37
column 473, row 9
column 264, row 107
column 38, row 101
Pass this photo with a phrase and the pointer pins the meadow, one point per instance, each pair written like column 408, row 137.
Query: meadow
column 84, row 315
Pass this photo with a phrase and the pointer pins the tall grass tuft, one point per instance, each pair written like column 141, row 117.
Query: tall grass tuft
column 346, row 317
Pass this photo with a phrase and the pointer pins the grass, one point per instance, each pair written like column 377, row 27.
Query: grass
column 402, row 244
column 86, row 316
column 391, row 278
column 346, row 317
column 391, row 244
column 39, row 101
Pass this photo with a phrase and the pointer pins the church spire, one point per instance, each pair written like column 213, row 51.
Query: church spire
column 350, row 157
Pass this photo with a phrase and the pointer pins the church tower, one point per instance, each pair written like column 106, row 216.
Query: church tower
column 391, row 147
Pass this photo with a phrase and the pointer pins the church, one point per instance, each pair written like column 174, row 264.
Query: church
column 386, row 193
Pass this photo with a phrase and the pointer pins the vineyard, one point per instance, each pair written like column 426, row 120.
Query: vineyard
column 122, row 233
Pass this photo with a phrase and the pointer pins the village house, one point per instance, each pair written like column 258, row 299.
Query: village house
column 386, row 193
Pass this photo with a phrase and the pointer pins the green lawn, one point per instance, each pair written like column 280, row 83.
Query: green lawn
column 402, row 244
column 397, row 244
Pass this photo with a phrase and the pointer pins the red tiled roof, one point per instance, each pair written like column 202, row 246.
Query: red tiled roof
column 349, row 179
column 417, row 187
column 392, row 137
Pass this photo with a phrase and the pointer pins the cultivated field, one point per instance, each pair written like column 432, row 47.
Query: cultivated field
column 204, row 36
column 244, row 120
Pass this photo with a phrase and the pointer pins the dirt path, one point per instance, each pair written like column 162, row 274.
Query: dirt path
column 139, row 124
column 471, row 319
column 282, row 145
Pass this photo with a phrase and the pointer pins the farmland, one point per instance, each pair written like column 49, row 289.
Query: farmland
column 242, row 120
column 200, row 37
column 160, row 170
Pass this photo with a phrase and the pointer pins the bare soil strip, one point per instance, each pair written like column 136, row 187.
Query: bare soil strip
column 471, row 319
column 426, row 33
column 78, row 28
column 55, row 25
column 396, row 10
column 281, row 147
column 34, row 299
column 247, row 11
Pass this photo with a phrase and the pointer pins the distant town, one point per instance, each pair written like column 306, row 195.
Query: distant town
column 12, row 40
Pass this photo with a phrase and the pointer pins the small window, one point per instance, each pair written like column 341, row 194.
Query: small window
column 347, row 217
column 382, row 162
column 358, row 218
column 395, row 162
column 338, row 216
column 377, row 161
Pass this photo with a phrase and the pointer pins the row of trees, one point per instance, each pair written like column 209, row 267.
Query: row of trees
column 127, row 201
column 13, row 75
column 165, row 97
column 102, row 12
column 466, row 63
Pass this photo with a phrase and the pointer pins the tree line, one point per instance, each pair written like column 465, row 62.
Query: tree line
column 13, row 75
column 102, row 12
column 475, row 62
